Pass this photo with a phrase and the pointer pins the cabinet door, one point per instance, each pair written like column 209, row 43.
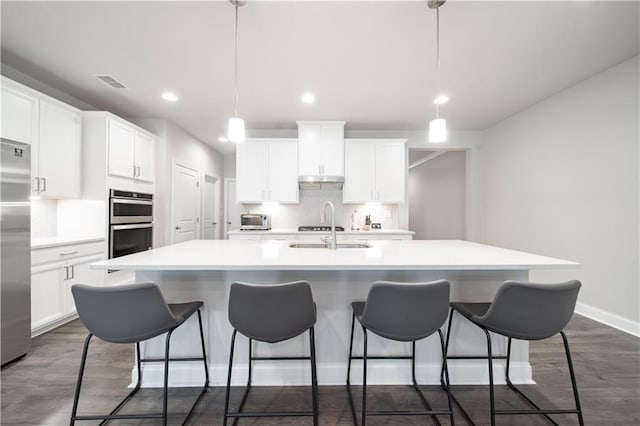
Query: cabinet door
column 283, row 179
column 251, row 163
column 59, row 151
column 309, row 149
column 47, row 303
column 121, row 149
column 333, row 150
column 80, row 273
column 19, row 112
column 144, row 157
column 359, row 173
column 390, row 172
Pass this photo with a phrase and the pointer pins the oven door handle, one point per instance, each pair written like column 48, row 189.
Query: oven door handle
column 130, row 201
column 132, row 226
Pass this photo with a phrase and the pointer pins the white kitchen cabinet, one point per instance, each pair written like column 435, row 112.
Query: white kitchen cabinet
column 19, row 113
column 130, row 152
column 53, row 271
column 374, row 171
column 55, row 157
column 264, row 171
column 321, row 148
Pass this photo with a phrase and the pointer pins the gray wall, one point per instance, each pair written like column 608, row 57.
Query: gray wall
column 561, row 179
column 437, row 198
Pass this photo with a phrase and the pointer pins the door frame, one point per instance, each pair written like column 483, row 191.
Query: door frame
column 226, row 210
column 174, row 164
column 216, row 194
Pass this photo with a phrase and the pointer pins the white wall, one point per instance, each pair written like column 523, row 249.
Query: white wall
column 176, row 145
column 561, row 179
column 437, row 198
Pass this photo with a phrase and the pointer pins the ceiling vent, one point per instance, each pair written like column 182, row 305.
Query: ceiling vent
column 111, row 81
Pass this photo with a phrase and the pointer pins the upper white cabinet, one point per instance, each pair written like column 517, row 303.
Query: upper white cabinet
column 375, row 170
column 117, row 154
column 55, row 157
column 264, row 171
column 130, row 152
column 321, row 148
column 53, row 129
column 19, row 113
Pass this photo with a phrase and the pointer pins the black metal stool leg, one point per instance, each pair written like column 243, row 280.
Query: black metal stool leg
column 446, row 346
column 166, row 379
column 226, row 399
column 573, row 378
column 85, row 349
column 445, row 368
column 351, row 404
column 204, row 352
column 364, row 379
column 491, row 390
column 314, row 376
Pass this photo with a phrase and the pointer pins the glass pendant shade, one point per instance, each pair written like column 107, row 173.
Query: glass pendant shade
column 236, row 130
column 438, row 130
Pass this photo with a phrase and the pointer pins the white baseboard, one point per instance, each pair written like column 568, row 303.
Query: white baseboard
column 608, row 318
column 279, row 373
column 50, row 325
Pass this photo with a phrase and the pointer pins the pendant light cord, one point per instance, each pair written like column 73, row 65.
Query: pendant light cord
column 438, row 57
column 236, row 63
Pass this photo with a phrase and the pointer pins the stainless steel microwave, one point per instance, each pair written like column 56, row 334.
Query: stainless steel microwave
column 255, row 222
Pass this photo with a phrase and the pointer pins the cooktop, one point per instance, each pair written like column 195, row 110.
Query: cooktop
column 318, row 228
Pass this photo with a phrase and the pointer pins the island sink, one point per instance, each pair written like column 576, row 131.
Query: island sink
column 328, row 245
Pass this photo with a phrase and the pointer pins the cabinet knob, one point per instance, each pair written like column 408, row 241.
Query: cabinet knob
column 178, row 227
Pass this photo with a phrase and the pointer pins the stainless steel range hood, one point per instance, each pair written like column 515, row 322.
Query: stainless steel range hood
column 320, row 182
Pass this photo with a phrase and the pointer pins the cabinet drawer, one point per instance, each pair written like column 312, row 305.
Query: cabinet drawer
column 65, row 252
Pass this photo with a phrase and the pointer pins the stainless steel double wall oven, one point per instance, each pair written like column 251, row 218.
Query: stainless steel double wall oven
column 130, row 222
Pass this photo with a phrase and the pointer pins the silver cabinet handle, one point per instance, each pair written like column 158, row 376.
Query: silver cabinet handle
column 134, row 171
column 138, row 169
column 66, row 273
column 37, row 184
column 69, row 254
column 73, row 271
column 214, row 223
column 178, row 227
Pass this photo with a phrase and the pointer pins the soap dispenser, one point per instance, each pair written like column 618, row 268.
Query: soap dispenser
column 367, row 223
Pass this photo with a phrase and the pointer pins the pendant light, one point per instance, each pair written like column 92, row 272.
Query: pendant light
column 438, row 126
column 236, row 131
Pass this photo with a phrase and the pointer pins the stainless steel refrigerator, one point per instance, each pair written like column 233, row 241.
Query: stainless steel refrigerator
column 15, row 250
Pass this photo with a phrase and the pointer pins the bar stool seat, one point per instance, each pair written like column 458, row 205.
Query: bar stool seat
column 524, row 311
column 402, row 312
column 132, row 314
column 271, row 313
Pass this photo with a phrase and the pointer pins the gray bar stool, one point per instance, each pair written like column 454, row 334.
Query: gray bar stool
column 272, row 313
column 132, row 314
column 525, row 311
column 405, row 313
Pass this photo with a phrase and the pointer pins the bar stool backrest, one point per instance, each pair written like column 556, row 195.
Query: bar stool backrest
column 531, row 311
column 271, row 312
column 406, row 311
column 124, row 314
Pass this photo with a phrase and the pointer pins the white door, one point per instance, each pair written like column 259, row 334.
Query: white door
column 232, row 209
column 121, row 146
column 59, row 151
column 185, row 200
column 210, row 208
column 144, row 157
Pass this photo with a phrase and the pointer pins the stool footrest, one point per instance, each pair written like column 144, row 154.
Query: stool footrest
column 280, row 358
column 272, row 414
column 550, row 411
column 118, row 417
column 408, row 413
column 383, row 357
column 171, row 359
column 476, row 357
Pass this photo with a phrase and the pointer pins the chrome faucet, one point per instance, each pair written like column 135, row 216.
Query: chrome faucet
column 332, row 242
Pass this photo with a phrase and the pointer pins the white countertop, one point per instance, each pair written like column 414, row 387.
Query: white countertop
column 38, row 243
column 244, row 255
column 287, row 231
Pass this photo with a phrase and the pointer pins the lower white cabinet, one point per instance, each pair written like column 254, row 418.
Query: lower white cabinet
column 53, row 271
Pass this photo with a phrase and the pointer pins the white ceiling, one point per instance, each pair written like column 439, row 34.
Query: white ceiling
column 369, row 63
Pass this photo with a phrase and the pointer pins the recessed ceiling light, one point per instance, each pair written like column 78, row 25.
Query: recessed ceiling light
column 169, row 96
column 223, row 139
column 308, row 98
column 441, row 99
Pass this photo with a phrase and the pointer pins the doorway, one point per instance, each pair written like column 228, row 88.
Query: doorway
column 210, row 208
column 232, row 210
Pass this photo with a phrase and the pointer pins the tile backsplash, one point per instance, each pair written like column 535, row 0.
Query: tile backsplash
column 309, row 210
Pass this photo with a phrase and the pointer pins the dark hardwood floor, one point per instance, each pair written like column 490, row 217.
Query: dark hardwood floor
column 38, row 390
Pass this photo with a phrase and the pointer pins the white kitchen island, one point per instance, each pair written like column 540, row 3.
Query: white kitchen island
column 204, row 270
